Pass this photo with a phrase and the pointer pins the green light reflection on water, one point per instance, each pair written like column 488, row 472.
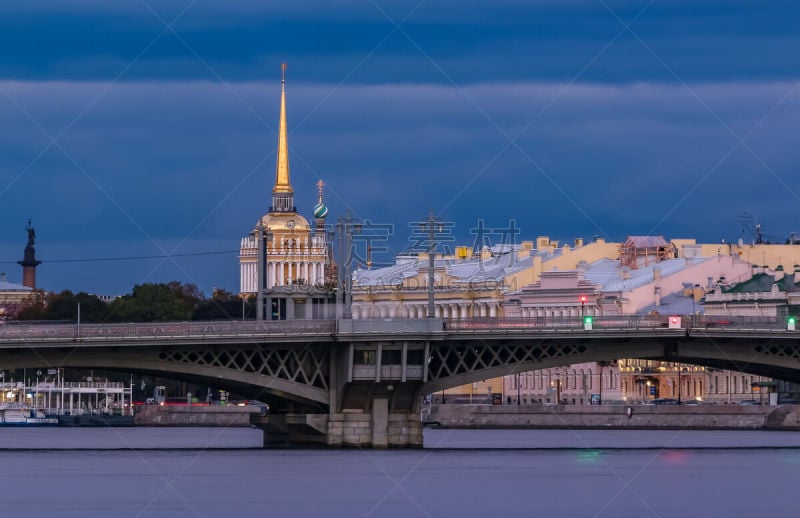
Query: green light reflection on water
column 591, row 456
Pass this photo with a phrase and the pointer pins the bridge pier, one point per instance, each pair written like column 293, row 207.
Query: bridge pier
column 343, row 430
column 376, row 430
column 379, row 429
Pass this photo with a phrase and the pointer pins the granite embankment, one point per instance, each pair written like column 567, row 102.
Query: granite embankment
column 701, row 417
column 195, row 415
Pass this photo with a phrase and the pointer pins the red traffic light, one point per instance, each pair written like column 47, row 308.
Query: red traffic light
column 583, row 299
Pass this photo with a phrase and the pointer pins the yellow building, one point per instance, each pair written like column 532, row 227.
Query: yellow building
column 467, row 285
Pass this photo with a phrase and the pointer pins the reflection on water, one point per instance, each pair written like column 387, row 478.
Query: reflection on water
column 592, row 481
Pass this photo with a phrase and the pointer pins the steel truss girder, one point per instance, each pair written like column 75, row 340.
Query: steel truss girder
column 308, row 367
column 453, row 360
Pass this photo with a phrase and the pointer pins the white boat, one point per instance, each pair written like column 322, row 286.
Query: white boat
column 25, row 417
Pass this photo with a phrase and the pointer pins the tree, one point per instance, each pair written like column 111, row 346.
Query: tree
column 33, row 307
column 64, row 306
column 224, row 305
column 157, row 303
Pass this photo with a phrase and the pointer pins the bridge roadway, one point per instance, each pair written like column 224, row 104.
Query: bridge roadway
column 360, row 382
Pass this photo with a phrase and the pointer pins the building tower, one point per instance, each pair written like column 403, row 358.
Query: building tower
column 29, row 262
column 294, row 258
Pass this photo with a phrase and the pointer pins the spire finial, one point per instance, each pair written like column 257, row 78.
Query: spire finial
column 320, row 185
column 282, row 184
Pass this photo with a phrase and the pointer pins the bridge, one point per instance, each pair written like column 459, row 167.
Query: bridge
column 360, row 382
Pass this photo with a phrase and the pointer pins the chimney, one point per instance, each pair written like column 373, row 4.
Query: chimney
column 578, row 242
column 3, row 277
column 710, row 284
column 656, row 274
column 525, row 249
column 625, row 273
column 542, row 242
column 658, row 295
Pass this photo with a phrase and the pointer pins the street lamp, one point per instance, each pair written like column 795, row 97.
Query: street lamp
column 694, row 290
column 431, row 225
column 36, row 394
column 518, row 389
column 345, row 226
column 263, row 235
column 679, row 382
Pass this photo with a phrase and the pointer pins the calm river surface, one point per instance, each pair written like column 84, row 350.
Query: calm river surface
column 462, row 473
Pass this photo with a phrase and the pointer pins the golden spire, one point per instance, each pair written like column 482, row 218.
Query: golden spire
column 282, row 168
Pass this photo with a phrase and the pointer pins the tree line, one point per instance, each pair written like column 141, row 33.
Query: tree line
column 163, row 302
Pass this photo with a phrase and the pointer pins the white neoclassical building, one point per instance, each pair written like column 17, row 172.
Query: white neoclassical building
column 296, row 258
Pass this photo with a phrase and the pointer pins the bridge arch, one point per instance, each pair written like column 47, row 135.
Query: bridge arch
column 299, row 377
column 466, row 361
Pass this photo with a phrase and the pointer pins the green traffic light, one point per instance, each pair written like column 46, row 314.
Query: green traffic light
column 587, row 320
column 791, row 320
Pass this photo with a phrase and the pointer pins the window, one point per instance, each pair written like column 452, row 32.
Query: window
column 391, row 357
column 364, row 357
column 415, row 357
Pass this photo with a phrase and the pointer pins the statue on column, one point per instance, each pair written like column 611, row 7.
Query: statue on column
column 31, row 234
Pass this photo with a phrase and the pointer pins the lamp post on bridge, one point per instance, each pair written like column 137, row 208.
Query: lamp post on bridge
column 345, row 226
column 263, row 236
column 430, row 226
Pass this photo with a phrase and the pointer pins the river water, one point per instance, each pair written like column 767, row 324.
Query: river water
column 461, row 473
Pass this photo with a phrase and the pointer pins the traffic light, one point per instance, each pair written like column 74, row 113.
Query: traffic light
column 791, row 323
column 587, row 323
column 583, row 299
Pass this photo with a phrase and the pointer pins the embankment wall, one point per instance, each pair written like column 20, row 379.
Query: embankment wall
column 617, row 416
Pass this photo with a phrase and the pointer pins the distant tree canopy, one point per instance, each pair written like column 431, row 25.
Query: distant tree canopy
column 224, row 305
column 172, row 301
column 64, row 306
column 157, row 303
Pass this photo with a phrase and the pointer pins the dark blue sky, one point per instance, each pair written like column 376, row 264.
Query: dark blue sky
column 553, row 114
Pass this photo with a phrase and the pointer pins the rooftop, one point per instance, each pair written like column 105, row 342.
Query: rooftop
column 606, row 272
column 504, row 261
column 761, row 282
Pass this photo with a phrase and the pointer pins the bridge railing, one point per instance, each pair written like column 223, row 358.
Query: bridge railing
column 544, row 323
column 22, row 330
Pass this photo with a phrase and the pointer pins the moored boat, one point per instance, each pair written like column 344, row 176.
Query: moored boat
column 25, row 417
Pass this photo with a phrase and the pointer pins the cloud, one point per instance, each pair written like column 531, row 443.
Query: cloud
column 512, row 41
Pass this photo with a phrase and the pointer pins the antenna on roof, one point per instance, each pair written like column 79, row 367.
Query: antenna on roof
column 754, row 229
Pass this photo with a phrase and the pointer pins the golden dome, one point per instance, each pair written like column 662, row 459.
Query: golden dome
column 285, row 222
